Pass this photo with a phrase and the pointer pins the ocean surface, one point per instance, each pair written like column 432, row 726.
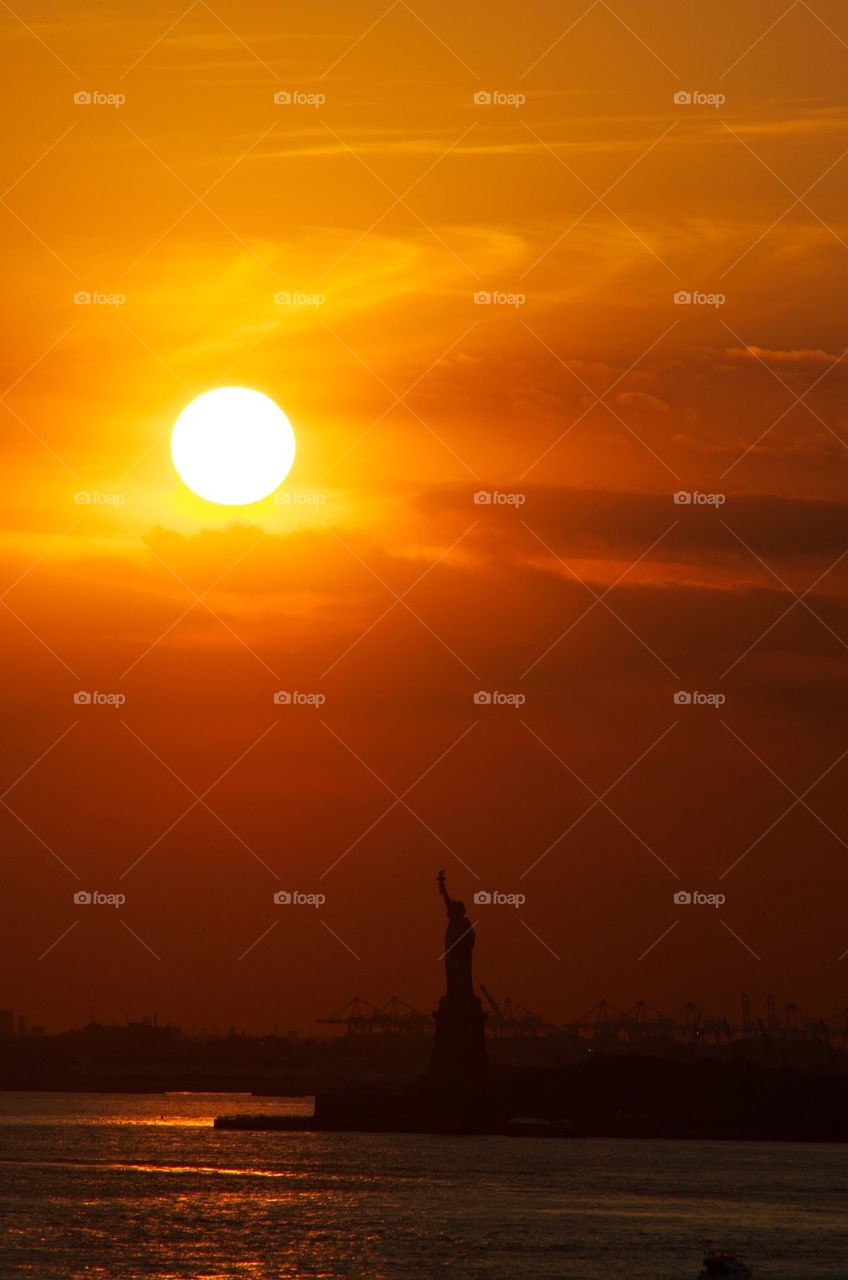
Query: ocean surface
column 117, row 1187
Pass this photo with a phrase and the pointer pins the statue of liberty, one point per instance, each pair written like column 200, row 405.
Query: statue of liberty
column 459, row 945
column 459, row 1063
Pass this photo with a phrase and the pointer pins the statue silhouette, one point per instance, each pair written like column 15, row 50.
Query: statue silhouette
column 459, row 1065
column 459, row 946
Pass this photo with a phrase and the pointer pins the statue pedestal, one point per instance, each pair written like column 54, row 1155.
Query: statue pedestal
column 459, row 1062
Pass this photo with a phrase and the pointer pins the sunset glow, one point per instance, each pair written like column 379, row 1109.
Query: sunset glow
column 519, row 280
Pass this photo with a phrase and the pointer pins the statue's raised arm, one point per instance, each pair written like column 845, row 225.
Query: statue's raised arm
column 459, row 944
column 443, row 891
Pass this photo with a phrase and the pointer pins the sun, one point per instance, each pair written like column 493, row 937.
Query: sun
column 232, row 446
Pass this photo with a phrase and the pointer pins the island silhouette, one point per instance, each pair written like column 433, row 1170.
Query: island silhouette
column 621, row 1096
column 455, row 1096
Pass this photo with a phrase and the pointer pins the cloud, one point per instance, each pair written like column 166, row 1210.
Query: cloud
column 641, row 400
column 802, row 355
column 609, row 525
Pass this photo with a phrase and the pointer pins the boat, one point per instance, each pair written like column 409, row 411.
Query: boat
column 723, row 1262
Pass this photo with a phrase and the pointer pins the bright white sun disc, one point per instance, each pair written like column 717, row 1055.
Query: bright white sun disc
column 232, row 446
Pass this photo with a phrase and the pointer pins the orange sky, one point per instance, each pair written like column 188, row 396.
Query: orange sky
column 384, row 201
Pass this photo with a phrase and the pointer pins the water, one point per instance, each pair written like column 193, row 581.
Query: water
column 125, row 1187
